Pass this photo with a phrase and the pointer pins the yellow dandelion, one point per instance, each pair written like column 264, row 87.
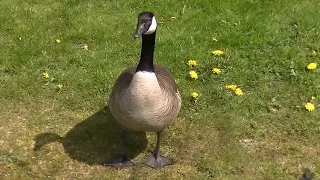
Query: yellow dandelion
column 192, row 63
column 217, row 52
column 45, row 74
column 195, row 95
column 309, row 106
column 232, row 87
column 312, row 66
column 314, row 53
column 238, row 92
column 216, row 70
column 214, row 39
column 59, row 86
column 193, row 75
column 58, row 41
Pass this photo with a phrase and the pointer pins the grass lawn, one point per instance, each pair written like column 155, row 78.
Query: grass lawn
column 52, row 133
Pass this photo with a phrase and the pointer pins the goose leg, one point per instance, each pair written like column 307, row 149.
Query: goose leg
column 122, row 160
column 156, row 159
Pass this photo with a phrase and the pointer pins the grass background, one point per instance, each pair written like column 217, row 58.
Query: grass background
column 265, row 134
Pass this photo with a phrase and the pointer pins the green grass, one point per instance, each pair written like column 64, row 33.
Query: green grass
column 264, row 134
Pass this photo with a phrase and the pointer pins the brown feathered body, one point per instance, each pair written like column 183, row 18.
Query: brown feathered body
column 145, row 101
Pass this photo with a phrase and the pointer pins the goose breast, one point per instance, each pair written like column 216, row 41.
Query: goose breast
column 145, row 101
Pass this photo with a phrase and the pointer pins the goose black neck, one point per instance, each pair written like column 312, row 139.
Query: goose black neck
column 147, row 49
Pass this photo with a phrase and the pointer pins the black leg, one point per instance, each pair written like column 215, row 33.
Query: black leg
column 157, row 147
column 156, row 159
column 122, row 160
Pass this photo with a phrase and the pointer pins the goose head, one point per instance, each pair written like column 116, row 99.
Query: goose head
column 146, row 25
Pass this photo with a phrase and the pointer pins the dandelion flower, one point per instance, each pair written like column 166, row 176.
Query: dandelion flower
column 58, row 41
column 217, row 52
column 195, row 95
column 192, row 63
column 309, row 106
column 312, row 66
column 45, row 74
column 59, row 86
column 193, row 75
column 214, row 39
column 232, row 87
column 238, row 92
column 313, row 53
column 216, row 70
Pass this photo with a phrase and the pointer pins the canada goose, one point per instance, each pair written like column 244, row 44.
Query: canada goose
column 145, row 97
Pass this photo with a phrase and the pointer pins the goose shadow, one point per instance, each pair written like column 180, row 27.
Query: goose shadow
column 95, row 140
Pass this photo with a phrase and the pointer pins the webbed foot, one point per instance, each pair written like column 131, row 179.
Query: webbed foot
column 157, row 160
column 119, row 162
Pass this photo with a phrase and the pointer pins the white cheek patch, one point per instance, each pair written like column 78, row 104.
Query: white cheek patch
column 152, row 27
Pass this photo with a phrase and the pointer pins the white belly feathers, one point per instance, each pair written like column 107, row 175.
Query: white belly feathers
column 144, row 105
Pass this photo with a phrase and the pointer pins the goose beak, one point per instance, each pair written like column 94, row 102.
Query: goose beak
column 139, row 31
